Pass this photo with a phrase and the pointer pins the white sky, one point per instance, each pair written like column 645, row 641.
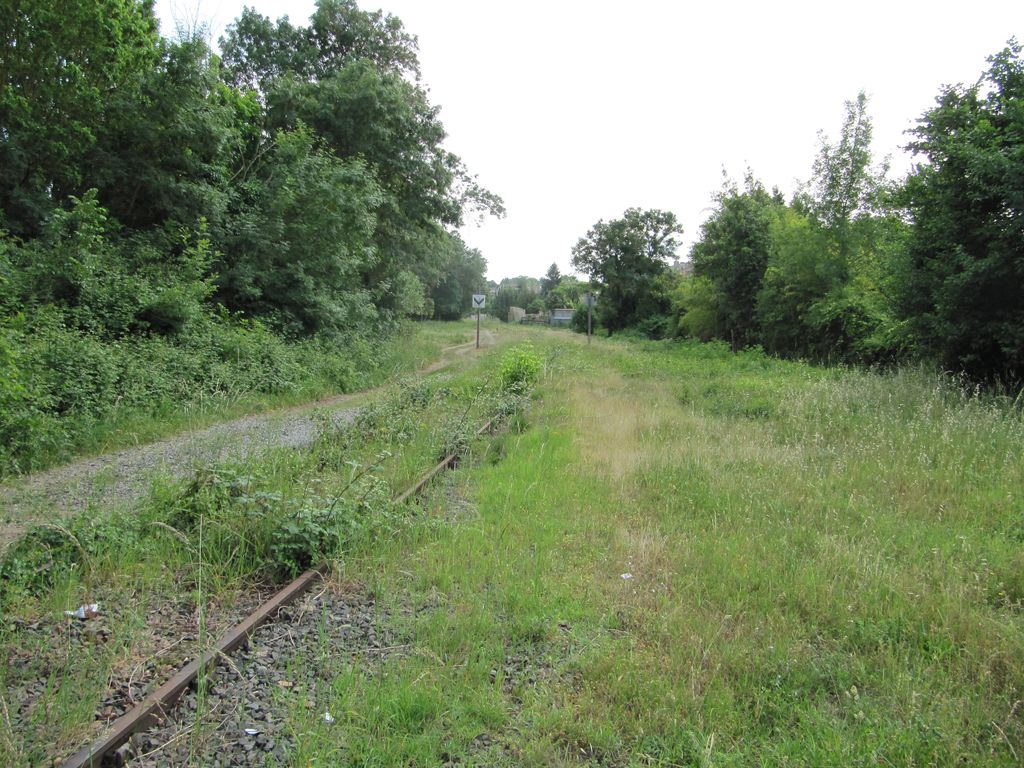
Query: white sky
column 575, row 111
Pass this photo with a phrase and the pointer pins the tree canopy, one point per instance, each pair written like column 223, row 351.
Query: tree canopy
column 625, row 255
column 964, row 289
column 733, row 254
column 310, row 154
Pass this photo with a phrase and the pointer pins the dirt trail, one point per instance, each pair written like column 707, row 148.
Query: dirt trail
column 124, row 475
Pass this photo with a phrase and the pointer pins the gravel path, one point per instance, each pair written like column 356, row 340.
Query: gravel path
column 125, row 475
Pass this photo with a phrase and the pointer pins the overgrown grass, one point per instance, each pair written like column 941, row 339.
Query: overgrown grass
column 677, row 556
column 79, row 395
column 695, row 558
column 199, row 544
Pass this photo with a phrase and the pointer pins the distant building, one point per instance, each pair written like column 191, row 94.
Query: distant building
column 516, row 314
column 562, row 315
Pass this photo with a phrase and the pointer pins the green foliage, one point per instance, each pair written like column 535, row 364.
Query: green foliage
column 319, row 529
column 624, row 256
column 519, row 368
column 462, row 276
column 245, row 528
column 845, row 187
column 299, row 248
column 965, row 270
column 814, row 279
column 74, row 267
column 58, row 66
column 733, row 254
column 568, row 292
column 456, row 435
column 300, row 183
column 51, row 552
column 695, row 309
column 346, row 77
column 511, row 296
column 256, row 51
column 22, row 425
column 66, row 384
column 393, row 419
column 551, row 280
column 803, row 267
column 169, row 147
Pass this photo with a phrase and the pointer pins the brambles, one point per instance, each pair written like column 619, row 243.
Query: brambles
column 456, row 436
column 249, row 529
column 319, row 529
column 393, row 419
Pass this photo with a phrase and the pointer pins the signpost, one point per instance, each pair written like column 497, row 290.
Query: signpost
column 590, row 300
column 479, row 299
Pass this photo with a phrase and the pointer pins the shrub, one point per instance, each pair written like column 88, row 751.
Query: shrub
column 519, row 368
column 456, row 435
column 78, row 372
column 318, row 529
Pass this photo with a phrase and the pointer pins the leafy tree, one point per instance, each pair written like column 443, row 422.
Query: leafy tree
column 733, row 254
column 522, row 282
column 351, row 76
column 104, row 287
column 624, row 256
column 257, row 51
column 802, row 268
column 508, row 296
column 170, row 146
column 965, row 274
column 551, row 280
column 695, row 310
column 300, row 243
column 462, row 277
column 844, row 184
column 826, row 290
column 536, row 306
column 568, row 293
column 59, row 65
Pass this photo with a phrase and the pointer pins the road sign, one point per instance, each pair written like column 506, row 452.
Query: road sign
column 589, row 299
column 478, row 303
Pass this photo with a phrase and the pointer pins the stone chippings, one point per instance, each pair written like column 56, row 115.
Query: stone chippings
column 125, row 476
column 43, row 655
column 285, row 665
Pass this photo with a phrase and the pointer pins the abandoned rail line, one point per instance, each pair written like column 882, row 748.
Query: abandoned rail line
column 238, row 693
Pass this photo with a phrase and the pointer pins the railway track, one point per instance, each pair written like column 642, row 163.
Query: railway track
column 278, row 656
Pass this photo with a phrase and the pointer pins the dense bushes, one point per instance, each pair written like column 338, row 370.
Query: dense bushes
column 59, row 384
column 858, row 269
column 178, row 228
column 519, row 369
column 98, row 328
column 855, row 268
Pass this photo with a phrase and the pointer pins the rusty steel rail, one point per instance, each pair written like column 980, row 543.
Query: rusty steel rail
column 148, row 711
column 446, row 462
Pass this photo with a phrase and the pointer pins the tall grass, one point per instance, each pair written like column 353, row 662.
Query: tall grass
column 233, row 527
column 699, row 558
